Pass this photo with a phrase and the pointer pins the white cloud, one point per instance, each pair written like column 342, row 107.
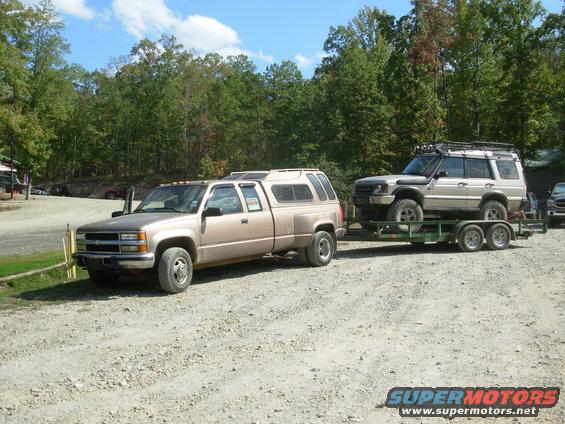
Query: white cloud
column 321, row 55
column 145, row 18
column 302, row 61
column 76, row 8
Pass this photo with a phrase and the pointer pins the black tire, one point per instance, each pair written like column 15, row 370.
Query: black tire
column 110, row 196
column 302, row 255
column 498, row 237
column 321, row 250
column 493, row 211
column 103, row 278
column 405, row 210
column 175, row 270
column 3, row 190
column 471, row 238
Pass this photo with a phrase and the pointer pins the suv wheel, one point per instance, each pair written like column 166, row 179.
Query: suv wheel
column 498, row 237
column 175, row 270
column 471, row 238
column 2, row 189
column 493, row 211
column 405, row 210
column 103, row 278
column 319, row 252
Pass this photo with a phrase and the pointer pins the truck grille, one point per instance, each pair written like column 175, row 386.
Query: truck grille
column 560, row 203
column 363, row 190
column 102, row 236
column 102, row 248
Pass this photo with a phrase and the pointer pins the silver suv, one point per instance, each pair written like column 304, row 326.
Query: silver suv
column 449, row 180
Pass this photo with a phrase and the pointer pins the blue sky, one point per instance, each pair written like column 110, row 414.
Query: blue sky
column 266, row 30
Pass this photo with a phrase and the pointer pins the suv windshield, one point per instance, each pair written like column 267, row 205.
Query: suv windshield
column 421, row 165
column 180, row 198
column 559, row 189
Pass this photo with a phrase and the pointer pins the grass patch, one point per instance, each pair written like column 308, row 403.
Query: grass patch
column 16, row 264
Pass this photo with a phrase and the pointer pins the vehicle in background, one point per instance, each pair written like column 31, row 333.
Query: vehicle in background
column 247, row 175
column 60, row 190
column 6, row 184
column 116, row 192
column 38, row 190
column 556, row 205
column 182, row 226
column 532, row 208
column 452, row 180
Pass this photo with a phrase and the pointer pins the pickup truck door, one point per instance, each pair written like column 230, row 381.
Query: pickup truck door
column 260, row 219
column 225, row 236
column 450, row 192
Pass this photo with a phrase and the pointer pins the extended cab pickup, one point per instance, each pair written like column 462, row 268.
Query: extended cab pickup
column 182, row 226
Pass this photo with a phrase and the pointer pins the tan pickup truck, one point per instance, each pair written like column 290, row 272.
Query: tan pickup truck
column 179, row 227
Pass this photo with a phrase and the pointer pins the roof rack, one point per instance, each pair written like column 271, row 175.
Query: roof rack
column 294, row 169
column 448, row 146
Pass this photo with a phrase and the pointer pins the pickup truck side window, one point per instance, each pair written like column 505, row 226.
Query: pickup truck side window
column 225, row 198
column 317, row 186
column 251, row 198
column 327, row 186
column 292, row 192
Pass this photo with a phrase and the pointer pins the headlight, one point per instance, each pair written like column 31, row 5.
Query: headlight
column 79, row 237
column 131, row 236
column 380, row 189
column 550, row 203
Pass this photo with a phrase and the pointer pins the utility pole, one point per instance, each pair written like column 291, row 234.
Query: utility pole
column 12, row 168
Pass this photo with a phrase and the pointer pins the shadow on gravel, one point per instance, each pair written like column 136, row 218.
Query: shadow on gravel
column 84, row 290
column 406, row 249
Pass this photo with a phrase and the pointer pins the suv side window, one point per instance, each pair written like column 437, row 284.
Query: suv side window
column 290, row 193
column 327, row 186
column 251, row 197
column 317, row 186
column 225, row 198
column 478, row 168
column 507, row 169
column 455, row 167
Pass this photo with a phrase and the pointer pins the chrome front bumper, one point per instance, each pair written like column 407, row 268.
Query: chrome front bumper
column 556, row 212
column 115, row 261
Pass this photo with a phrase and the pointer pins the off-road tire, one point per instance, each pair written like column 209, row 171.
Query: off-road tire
column 498, row 237
column 175, row 270
column 321, row 249
column 471, row 238
column 103, row 278
column 493, row 211
column 403, row 210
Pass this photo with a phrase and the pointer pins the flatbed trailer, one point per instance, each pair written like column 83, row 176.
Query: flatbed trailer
column 469, row 235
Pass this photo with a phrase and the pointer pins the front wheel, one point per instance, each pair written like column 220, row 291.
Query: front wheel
column 175, row 270
column 405, row 210
column 493, row 211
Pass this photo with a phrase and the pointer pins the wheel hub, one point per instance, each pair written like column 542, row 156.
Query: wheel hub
column 472, row 239
column 499, row 237
column 324, row 249
column 494, row 215
column 180, row 271
column 407, row 215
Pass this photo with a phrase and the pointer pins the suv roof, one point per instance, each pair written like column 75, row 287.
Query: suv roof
column 476, row 148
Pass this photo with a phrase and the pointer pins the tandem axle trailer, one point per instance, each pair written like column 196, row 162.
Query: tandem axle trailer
column 469, row 235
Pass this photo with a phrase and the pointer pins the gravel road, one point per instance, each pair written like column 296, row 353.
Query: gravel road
column 270, row 341
column 40, row 224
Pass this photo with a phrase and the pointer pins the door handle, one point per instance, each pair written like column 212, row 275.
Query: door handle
column 461, row 184
column 244, row 221
column 489, row 185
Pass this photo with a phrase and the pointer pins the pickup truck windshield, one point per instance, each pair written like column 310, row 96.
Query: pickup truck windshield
column 559, row 189
column 180, row 198
column 422, row 165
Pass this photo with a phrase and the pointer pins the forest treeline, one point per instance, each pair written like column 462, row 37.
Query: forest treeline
column 455, row 70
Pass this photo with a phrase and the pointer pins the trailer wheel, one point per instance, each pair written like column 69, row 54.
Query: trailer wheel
column 405, row 210
column 321, row 250
column 175, row 270
column 471, row 238
column 498, row 237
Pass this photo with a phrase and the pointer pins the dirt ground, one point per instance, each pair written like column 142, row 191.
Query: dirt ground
column 40, row 223
column 270, row 341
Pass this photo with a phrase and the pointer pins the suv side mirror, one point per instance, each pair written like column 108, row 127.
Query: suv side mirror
column 117, row 213
column 211, row 212
column 441, row 174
